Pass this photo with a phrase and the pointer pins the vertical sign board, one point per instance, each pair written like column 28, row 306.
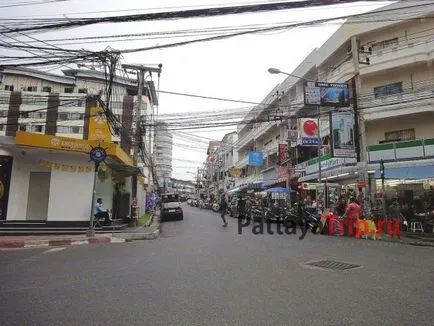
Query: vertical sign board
column 256, row 158
column 342, row 133
column 5, row 180
column 99, row 129
column 283, row 150
column 309, row 132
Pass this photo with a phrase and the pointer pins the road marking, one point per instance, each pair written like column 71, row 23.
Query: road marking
column 53, row 250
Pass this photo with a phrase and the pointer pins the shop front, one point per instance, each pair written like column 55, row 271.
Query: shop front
column 49, row 178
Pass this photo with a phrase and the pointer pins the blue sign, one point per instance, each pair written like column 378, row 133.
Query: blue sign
column 256, row 158
column 98, row 154
column 309, row 141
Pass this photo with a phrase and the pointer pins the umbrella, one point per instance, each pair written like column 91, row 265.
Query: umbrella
column 280, row 190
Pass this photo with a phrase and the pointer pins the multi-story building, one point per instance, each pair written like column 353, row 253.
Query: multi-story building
column 59, row 116
column 163, row 154
column 388, row 65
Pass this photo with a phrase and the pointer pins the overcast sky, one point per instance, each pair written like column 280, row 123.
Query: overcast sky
column 235, row 68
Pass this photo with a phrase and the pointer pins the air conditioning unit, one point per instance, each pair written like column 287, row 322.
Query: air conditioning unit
column 349, row 48
column 292, row 135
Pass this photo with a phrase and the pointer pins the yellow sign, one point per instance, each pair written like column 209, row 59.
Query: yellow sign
column 99, row 128
column 70, row 144
column 235, row 173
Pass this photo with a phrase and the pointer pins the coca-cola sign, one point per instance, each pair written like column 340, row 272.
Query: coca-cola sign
column 283, row 150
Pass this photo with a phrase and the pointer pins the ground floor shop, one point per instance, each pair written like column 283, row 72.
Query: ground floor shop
column 47, row 178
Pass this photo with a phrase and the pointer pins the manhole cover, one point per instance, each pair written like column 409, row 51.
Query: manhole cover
column 333, row 265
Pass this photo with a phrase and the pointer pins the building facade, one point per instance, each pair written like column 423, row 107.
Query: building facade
column 163, row 147
column 61, row 118
column 388, row 66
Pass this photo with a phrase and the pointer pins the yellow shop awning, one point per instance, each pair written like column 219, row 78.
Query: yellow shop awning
column 71, row 145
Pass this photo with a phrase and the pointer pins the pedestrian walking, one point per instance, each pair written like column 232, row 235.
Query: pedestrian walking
column 241, row 205
column 223, row 209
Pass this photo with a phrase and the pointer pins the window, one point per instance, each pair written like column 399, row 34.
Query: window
column 2, row 127
column 23, row 128
column 69, row 89
column 9, row 88
column 63, row 116
column 400, row 135
column 3, row 113
column 82, row 90
column 24, row 115
column 389, row 89
column 46, row 89
column 32, row 89
column 75, row 130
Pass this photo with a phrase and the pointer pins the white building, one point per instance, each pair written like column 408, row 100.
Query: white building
column 48, row 124
column 389, row 63
column 163, row 147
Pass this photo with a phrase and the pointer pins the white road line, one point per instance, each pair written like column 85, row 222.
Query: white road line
column 53, row 250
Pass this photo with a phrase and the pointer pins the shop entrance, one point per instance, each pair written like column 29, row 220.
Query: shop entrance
column 5, row 180
column 39, row 192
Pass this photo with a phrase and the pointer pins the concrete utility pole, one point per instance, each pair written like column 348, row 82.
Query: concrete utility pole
column 141, row 71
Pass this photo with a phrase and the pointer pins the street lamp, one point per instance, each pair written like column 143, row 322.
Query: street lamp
column 278, row 71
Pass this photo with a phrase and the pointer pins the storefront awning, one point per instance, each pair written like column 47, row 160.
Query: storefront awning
column 407, row 173
column 71, row 145
column 126, row 170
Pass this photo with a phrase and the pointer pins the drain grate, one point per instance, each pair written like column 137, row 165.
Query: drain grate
column 333, row 265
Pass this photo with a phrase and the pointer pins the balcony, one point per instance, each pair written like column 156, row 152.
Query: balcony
column 402, row 151
column 271, row 148
column 409, row 102
column 242, row 162
column 246, row 141
column 264, row 129
column 402, row 53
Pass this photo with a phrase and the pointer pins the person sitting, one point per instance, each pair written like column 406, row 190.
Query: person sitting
column 100, row 212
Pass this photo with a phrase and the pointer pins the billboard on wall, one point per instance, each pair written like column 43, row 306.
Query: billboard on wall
column 326, row 94
column 256, row 158
column 309, row 132
column 342, row 132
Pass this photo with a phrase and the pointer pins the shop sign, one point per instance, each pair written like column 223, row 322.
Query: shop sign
column 309, row 132
column 342, row 133
column 99, row 128
column 282, row 173
column 283, row 153
column 331, row 163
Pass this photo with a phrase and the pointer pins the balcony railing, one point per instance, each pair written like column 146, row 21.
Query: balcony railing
column 242, row 162
column 404, row 150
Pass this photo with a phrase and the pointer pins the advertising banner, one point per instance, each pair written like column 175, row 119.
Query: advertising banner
column 256, row 158
column 309, row 132
column 342, row 132
column 326, row 94
column 283, row 153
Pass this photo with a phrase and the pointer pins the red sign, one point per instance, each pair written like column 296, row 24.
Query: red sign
column 283, row 150
column 282, row 173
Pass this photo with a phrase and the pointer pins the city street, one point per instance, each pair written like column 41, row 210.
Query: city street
column 200, row 273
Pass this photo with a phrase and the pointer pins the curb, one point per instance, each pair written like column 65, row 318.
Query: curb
column 12, row 244
column 411, row 243
column 143, row 236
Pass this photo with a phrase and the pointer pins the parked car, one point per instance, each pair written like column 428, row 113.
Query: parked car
column 171, row 208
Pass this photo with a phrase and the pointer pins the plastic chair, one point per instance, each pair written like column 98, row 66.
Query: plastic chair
column 416, row 226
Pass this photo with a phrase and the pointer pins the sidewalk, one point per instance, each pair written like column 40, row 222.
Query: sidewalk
column 148, row 232
column 409, row 238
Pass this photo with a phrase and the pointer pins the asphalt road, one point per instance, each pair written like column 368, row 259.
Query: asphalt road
column 200, row 273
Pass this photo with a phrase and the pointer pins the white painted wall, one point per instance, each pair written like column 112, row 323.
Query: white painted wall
column 104, row 190
column 70, row 192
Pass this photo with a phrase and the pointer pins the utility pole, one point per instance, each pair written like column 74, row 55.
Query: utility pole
column 319, row 144
column 140, row 70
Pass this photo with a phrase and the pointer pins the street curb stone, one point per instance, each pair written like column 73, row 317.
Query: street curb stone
column 155, row 222
column 9, row 244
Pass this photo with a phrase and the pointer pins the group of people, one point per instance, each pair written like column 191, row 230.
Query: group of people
column 242, row 206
